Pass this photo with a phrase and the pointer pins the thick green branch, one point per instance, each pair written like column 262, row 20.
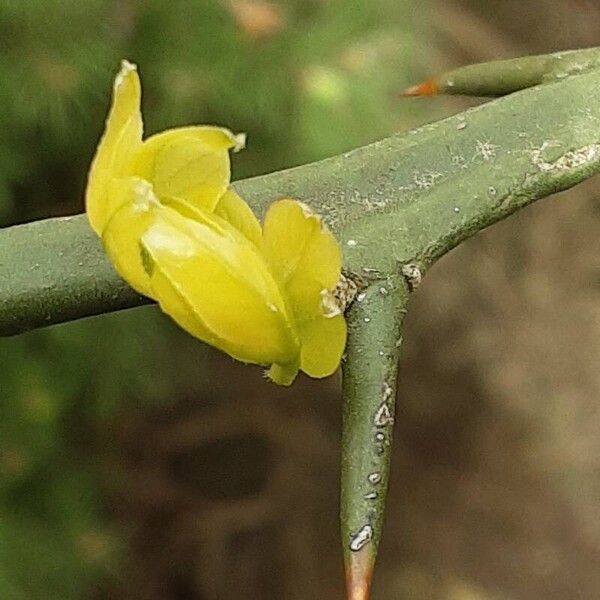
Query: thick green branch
column 53, row 271
column 422, row 193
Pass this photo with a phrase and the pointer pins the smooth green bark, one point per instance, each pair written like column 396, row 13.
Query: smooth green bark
column 53, row 271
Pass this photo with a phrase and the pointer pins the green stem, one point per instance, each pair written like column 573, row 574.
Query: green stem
column 369, row 390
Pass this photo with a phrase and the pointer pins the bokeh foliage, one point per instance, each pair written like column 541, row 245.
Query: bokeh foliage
column 304, row 78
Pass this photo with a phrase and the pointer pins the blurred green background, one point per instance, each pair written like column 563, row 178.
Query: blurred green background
column 136, row 463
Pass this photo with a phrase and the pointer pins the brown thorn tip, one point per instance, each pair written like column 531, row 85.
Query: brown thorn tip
column 427, row 88
column 359, row 575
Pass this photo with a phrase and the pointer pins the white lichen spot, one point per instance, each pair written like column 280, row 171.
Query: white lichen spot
column 383, row 416
column 367, row 319
column 374, row 478
column 387, row 391
column 371, row 205
column 371, row 496
column 459, row 161
column 379, row 436
column 486, row 150
column 424, row 181
column 461, row 125
column 383, row 291
column 570, row 160
column 351, row 243
column 456, row 209
column 362, row 538
column 361, row 297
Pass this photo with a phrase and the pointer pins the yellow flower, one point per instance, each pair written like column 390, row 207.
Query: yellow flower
column 177, row 234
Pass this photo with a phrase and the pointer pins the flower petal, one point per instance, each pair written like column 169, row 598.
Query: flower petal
column 322, row 344
column 303, row 253
column 231, row 209
column 122, row 137
column 216, row 285
column 234, row 210
column 191, row 163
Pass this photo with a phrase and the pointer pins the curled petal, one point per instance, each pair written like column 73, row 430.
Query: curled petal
column 122, row 137
column 191, row 163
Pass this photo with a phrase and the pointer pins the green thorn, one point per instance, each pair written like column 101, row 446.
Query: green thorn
column 501, row 77
column 369, row 389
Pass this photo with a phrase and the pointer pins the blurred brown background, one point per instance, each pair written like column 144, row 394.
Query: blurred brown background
column 228, row 488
